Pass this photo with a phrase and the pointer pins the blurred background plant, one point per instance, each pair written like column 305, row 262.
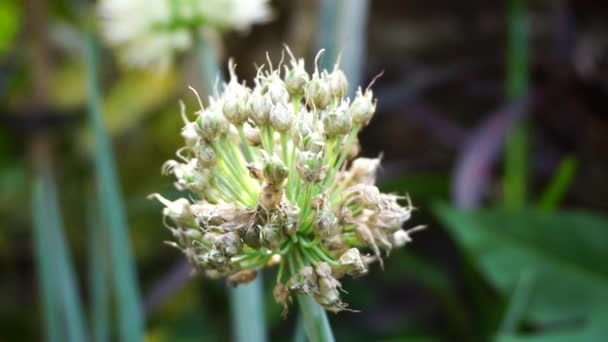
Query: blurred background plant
column 491, row 115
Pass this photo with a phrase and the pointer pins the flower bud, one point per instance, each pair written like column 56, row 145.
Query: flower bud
column 310, row 166
column 363, row 108
column 302, row 128
column 275, row 171
column 178, row 211
column 211, row 124
column 205, row 155
column 325, row 224
column 276, row 91
column 281, row 118
column 296, row 78
column 337, row 122
column 338, row 84
column 236, row 110
column 190, row 135
column 260, row 106
column 318, row 93
column 351, row 263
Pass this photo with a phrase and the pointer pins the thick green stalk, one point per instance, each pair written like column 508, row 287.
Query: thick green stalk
column 315, row 320
column 131, row 321
column 516, row 149
column 245, row 300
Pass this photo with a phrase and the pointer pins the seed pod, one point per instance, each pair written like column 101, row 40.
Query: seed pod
column 281, row 296
column 325, row 224
column 292, row 219
column 363, row 108
column 302, row 129
column 296, row 78
column 310, row 166
column 211, row 124
column 337, row 122
column 252, row 236
column 281, row 118
column 317, row 93
column 260, row 106
column 236, row 110
column 229, row 244
column 351, row 263
column 276, row 91
column 272, row 236
column 275, row 172
column 338, row 84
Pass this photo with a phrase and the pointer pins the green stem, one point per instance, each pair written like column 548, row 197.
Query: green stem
column 245, row 145
column 516, row 148
column 315, row 320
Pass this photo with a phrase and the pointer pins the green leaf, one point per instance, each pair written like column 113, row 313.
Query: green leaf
column 98, row 275
column 63, row 308
column 130, row 315
column 567, row 252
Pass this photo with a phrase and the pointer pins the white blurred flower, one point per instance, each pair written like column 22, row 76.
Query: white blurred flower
column 150, row 33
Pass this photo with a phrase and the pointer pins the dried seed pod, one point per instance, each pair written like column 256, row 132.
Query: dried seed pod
column 242, row 277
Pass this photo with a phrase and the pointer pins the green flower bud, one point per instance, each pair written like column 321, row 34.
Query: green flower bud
column 317, row 93
column 310, row 166
column 178, row 211
column 211, row 124
column 337, row 122
column 296, row 78
column 302, row 128
column 260, row 106
column 236, row 110
column 281, row 118
column 363, row 108
column 274, row 170
column 338, row 84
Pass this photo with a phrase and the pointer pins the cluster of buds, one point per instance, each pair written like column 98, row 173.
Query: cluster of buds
column 273, row 180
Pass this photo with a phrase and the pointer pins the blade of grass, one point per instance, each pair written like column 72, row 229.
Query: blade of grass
column 45, row 264
column 67, row 282
column 98, row 282
column 315, row 320
column 123, row 272
column 558, row 185
column 516, row 149
column 248, row 321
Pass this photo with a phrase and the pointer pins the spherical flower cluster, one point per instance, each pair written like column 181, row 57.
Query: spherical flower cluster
column 151, row 32
column 273, row 180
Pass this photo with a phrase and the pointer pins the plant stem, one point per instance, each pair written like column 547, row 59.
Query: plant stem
column 516, row 149
column 316, row 323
